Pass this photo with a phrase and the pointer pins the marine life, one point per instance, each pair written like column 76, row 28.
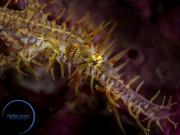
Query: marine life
column 28, row 34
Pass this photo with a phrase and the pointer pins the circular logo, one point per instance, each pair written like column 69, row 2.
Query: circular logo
column 18, row 116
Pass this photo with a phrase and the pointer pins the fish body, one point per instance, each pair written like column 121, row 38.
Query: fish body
column 29, row 35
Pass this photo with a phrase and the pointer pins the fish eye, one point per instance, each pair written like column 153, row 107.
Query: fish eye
column 95, row 62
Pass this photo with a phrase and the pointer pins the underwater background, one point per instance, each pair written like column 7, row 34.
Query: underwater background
column 151, row 27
